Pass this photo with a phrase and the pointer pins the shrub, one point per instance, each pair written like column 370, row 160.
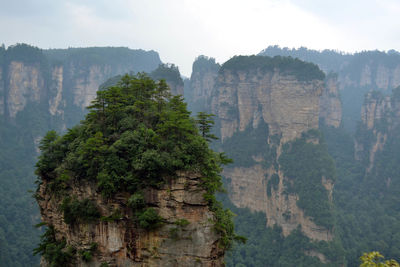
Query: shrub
column 149, row 219
column 76, row 211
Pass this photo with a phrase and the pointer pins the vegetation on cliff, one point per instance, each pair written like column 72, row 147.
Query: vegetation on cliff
column 303, row 71
column 305, row 165
column 266, row 246
column 168, row 72
column 203, row 64
column 135, row 136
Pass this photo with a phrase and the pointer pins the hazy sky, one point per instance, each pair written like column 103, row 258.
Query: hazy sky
column 180, row 30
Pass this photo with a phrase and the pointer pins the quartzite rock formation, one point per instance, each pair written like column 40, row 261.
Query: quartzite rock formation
column 121, row 242
column 244, row 99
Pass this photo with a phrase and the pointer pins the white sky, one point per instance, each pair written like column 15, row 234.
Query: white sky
column 180, row 30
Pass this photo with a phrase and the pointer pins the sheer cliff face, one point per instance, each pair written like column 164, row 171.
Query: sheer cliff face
column 288, row 106
column 121, row 242
column 330, row 107
column 202, row 83
column 244, row 100
column 176, row 87
column 379, row 116
column 372, row 74
column 25, row 84
column 66, row 83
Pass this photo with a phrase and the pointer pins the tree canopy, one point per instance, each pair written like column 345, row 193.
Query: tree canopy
column 135, row 135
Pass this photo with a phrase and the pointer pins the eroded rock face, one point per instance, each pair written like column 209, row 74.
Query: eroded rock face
column 249, row 190
column 122, row 242
column 176, row 88
column 55, row 103
column 376, row 75
column 202, row 83
column 330, row 107
column 24, row 83
column 287, row 105
column 379, row 116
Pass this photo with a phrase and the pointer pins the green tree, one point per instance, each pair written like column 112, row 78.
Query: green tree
column 375, row 259
column 205, row 123
column 136, row 135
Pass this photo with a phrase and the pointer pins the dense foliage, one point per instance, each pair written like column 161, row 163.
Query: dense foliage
column 19, row 136
column 367, row 214
column 375, row 259
column 137, row 60
column 135, row 135
column 56, row 252
column 268, row 247
column 328, row 60
column 168, row 72
column 305, row 164
column 303, row 71
column 243, row 145
column 76, row 211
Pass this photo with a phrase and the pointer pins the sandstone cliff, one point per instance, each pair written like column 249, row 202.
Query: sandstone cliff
column 202, row 84
column 244, row 100
column 288, row 106
column 379, row 116
column 24, row 84
column 63, row 81
column 121, row 242
column 330, row 107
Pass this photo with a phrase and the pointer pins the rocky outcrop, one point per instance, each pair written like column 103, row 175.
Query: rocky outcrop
column 202, row 83
column 121, row 242
column 330, row 107
column 373, row 73
column 24, row 83
column 55, row 102
column 247, row 98
column 287, row 105
column 249, row 190
column 63, row 80
column 176, row 87
column 380, row 114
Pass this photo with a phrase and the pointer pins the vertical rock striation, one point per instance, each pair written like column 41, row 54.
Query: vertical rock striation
column 202, row 83
column 330, row 107
column 25, row 83
column 289, row 104
column 380, row 115
column 121, row 242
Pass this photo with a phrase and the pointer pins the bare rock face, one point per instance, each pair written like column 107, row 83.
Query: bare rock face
column 287, row 105
column 376, row 75
column 202, row 83
column 330, row 107
column 25, row 83
column 55, row 103
column 290, row 107
column 121, row 242
column 379, row 116
column 176, row 87
column 249, row 190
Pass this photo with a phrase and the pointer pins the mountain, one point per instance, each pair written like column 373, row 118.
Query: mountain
column 268, row 112
column 132, row 185
column 357, row 73
column 42, row 90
